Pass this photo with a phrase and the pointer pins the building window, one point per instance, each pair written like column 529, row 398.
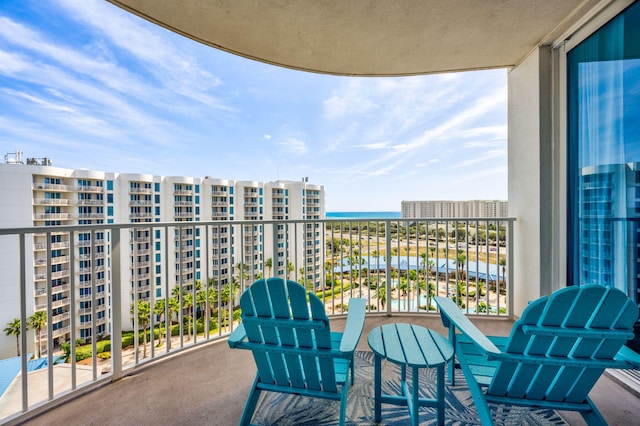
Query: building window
column 603, row 77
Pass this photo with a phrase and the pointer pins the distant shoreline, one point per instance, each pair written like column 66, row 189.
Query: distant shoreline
column 364, row 215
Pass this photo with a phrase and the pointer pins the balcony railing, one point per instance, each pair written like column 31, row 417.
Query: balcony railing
column 397, row 265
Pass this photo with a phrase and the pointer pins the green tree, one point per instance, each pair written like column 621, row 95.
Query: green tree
column 404, row 286
column 213, row 300
column 144, row 316
column 201, row 302
column 382, row 295
column 177, row 292
column 174, row 307
column 187, row 303
column 424, row 263
column 461, row 261
column 290, row 269
column 243, row 272
column 37, row 322
column 269, row 264
column 14, row 328
column 503, row 263
column 159, row 311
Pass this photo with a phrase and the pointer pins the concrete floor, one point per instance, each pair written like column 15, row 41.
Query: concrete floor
column 209, row 385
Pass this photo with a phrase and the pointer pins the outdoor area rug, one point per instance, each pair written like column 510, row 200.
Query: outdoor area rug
column 280, row 409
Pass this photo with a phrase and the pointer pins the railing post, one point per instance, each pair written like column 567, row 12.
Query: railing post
column 387, row 232
column 23, row 322
column 116, row 305
column 510, row 285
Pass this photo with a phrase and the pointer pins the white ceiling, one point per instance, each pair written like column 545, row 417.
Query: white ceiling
column 369, row 37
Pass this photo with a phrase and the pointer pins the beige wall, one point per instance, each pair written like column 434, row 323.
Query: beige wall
column 530, row 171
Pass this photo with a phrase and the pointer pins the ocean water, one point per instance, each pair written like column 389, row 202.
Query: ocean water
column 364, row 215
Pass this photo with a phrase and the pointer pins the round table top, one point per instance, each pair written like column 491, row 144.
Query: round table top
column 410, row 344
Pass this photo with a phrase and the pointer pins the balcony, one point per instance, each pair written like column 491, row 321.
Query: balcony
column 396, row 264
column 140, row 190
column 89, row 188
column 51, row 202
column 53, row 187
column 195, row 379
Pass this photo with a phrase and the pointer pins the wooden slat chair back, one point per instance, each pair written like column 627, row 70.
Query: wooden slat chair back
column 289, row 334
column 554, row 355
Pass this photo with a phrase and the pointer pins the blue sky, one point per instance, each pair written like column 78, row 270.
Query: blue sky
column 92, row 86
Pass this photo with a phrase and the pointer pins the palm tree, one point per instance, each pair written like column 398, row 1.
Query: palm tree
column 382, row 295
column 242, row 272
column 201, row 302
column 462, row 258
column 37, row 322
column 159, row 310
column 13, row 328
column 423, row 257
column 187, row 303
column 269, row 264
column 213, row 300
column 174, row 307
column 290, row 269
column 176, row 292
column 503, row 263
column 144, row 313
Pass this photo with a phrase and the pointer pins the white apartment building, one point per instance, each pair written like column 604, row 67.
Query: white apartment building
column 38, row 195
column 454, row 209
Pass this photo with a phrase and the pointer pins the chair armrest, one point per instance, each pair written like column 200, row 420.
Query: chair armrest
column 354, row 325
column 628, row 355
column 453, row 317
column 236, row 338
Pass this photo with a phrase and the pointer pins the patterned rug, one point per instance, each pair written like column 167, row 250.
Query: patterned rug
column 280, row 409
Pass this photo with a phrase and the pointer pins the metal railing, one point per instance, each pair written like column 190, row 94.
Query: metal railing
column 398, row 265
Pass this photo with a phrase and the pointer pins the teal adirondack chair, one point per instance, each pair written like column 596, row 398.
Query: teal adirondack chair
column 292, row 343
column 555, row 354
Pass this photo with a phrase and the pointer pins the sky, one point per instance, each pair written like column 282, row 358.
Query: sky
column 89, row 85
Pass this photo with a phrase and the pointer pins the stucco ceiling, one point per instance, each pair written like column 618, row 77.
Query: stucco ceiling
column 369, row 37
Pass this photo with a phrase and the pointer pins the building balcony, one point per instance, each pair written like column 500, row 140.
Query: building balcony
column 184, row 214
column 433, row 252
column 140, row 190
column 141, row 215
column 83, row 202
column 52, row 216
column 53, row 187
column 51, row 202
column 89, row 188
column 192, row 371
column 140, row 203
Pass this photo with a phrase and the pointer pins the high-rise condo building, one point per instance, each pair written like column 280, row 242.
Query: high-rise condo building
column 454, row 209
column 253, row 218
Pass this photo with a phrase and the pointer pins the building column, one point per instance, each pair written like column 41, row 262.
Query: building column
column 530, row 159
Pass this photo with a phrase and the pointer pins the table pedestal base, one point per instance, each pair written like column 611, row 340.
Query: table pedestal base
column 406, row 398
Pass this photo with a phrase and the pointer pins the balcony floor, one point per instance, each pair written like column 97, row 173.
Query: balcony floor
column 209, row 385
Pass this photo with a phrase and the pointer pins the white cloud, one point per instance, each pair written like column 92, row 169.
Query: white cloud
column 488, row 155
column 177, row 70
column 267, row 137
column 374, row 146
column 294, row 145
column 431, row 135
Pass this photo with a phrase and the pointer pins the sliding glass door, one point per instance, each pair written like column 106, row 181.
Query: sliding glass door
column 603, row 182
